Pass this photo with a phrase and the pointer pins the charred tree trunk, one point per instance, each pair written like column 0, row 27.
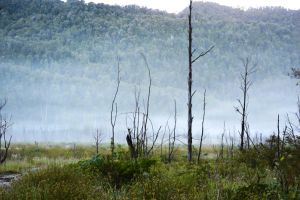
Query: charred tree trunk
column 132, row 148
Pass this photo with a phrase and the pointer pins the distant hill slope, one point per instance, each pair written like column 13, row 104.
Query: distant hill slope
column 268, row 14
column 43, row 32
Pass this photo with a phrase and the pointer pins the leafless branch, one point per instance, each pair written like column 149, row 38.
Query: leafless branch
column 203, row 54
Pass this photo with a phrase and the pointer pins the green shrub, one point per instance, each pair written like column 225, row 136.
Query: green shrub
column 283, row 166
column 117, row 172
column 53, row 183
column 174, row 181
column 253, row 192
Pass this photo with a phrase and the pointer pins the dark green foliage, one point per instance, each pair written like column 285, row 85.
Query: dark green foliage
column 117, row 172
column 253, row 192
column 285, row 166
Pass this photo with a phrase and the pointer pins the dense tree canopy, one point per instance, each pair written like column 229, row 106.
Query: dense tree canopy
column 43, row 32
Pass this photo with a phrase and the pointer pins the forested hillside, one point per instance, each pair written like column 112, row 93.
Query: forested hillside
column 55, row 54
column 43, row 32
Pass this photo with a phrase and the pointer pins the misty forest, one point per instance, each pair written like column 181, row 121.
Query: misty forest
column 127, row 102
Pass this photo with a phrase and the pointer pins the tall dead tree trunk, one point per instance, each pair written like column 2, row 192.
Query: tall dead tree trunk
column 190, row 82
column 146, row 115
column 222, row 141
column 98, row 139
column 114, row 111
column 172, row 143
column 191, row 93
column 243, row 104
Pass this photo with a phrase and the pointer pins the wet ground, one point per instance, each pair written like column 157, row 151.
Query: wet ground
column 6, row 178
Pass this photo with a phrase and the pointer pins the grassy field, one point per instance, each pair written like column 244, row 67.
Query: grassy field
column 27, row 157
column 76, row 172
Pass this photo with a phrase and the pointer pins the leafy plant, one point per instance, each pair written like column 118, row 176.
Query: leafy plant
column 117, row 172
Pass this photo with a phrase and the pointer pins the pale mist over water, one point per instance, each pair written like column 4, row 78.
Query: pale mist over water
column 56, row 124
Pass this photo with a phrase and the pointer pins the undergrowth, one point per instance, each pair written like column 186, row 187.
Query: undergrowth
column 253, row 174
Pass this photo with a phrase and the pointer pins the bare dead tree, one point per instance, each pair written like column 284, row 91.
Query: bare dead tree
column 163, row 138
column 283, row 137
column 222, row 141
column 202, row 126
column 278, row 137
column 292, row 130
column 139, row 138
column 136, row 122
column 133, row 136
column 249, row 139
column 146, row 115
column 136, row 114
column 172, row 143
column 4, row 142
column 98, row 139
column 191, row 93
column 243, row 104
column 230, row 146
column 298, row 110
column 247, row 132
column 154, row 139
column 169, row 146
column 114, row 111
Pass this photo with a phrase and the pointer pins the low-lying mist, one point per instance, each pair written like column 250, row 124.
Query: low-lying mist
column 57, row 110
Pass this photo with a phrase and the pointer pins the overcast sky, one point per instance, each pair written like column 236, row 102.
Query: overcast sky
column 176, row 6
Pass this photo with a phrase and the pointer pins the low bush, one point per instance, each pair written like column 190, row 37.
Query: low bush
column 53, row 183
column 117, row 172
